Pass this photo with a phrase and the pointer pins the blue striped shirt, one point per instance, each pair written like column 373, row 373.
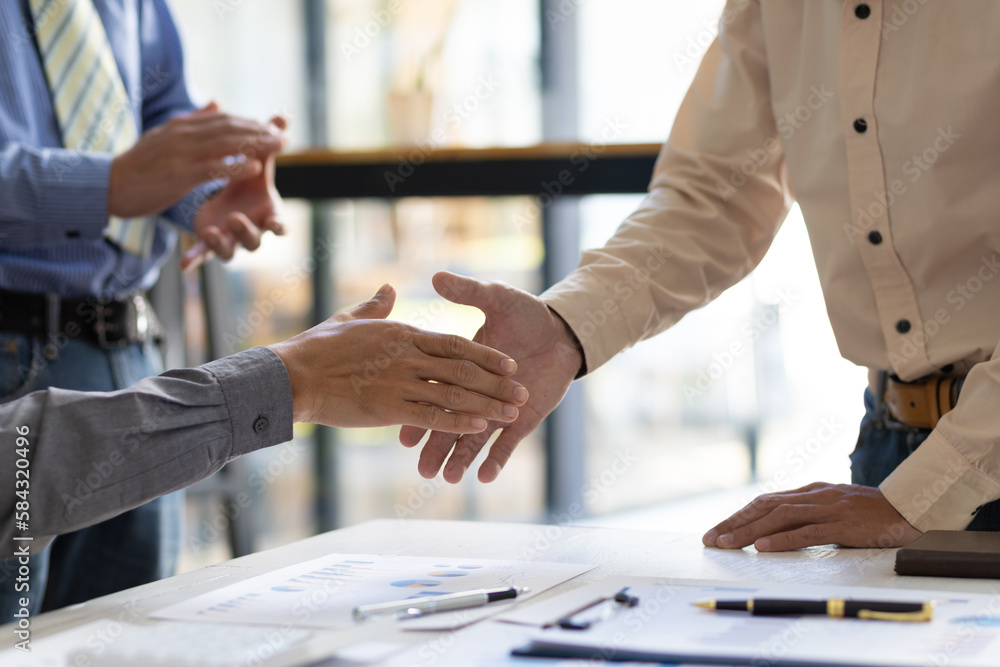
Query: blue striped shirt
column 53, row 201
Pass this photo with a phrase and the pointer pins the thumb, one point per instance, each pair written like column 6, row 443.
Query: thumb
column 376, row 308
column 464, row 291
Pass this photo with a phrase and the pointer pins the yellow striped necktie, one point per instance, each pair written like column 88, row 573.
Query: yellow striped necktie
column 89, row 97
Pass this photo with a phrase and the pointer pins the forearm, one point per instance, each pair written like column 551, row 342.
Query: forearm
column 91, row 456
column 52, row 194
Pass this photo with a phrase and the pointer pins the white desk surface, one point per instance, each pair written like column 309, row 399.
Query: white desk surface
column 616, row 552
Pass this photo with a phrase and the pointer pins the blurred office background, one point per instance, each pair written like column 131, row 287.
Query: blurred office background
column 674, row 418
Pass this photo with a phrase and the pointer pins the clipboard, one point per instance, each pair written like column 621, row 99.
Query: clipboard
column 664, row 626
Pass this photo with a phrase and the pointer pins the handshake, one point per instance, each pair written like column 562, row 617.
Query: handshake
column 355, row 371
column 358, row 370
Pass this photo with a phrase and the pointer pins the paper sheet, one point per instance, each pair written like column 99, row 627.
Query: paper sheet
column 109, row 642
column 965, row 631
column 321, row 593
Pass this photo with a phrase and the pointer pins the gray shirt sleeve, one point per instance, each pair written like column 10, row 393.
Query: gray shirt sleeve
column 70, row 459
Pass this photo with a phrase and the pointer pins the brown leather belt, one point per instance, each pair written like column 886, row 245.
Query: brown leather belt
column 919, row 404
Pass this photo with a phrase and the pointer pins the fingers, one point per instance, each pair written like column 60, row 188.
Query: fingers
column 469, row 375
column 503, row 448
column 466, row 450
column 455, row 347
column 237, row 230
column 434, row 453
column 410, row 436
column 273, row 225
column 246, row 233
column 757, row 508
column 377, row 308
column 459, row 399
column 850, row 515
column 250, row 141
column 780, row 519
column 196, row 256
column 219, row 242
column 433, row 417
column 206, row 136
column 237, row 170
column 800, row 538
column 763, row 505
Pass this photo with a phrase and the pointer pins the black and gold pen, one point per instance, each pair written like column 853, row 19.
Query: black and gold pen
column 835, row 608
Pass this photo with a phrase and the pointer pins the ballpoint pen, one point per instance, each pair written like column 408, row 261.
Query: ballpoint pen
column 428, row 605
column 834, row 607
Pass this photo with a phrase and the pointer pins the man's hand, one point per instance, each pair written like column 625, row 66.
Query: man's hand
column 523, row 327
column 358, row 370
column 246, row 207
column 846, row 514
column 170, row 159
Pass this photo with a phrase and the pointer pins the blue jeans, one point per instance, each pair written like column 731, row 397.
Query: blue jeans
column 881, row 449
column 134, row 548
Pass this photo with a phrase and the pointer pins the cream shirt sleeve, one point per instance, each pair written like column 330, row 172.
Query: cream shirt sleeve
column 717, row 198
column 956, row 470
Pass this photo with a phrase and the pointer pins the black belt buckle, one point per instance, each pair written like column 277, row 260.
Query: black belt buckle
column 108, row 332
column 118, row 323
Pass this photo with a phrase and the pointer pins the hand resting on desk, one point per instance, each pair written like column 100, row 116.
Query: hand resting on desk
column 849, row 515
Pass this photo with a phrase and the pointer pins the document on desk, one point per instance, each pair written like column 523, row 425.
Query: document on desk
column 665, row 626
column 322, row 593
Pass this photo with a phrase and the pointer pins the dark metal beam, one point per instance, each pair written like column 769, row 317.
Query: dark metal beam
column 603, row 174
column 565, row 436
column 327, row 505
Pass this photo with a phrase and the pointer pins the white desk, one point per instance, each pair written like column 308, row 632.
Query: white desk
column 617, row 552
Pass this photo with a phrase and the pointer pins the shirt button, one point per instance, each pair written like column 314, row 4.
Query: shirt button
column 862, row 11
column 261, row 425
column 875, row 238
column 903, row 326
column 860, row 126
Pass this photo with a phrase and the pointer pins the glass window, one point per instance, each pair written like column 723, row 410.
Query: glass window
column 249, row 57
column 760, row 362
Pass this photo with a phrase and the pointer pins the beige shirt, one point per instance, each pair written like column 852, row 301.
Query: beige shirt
column 886, row 130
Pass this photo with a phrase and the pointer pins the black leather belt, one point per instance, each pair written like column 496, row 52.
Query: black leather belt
column 108, row 323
